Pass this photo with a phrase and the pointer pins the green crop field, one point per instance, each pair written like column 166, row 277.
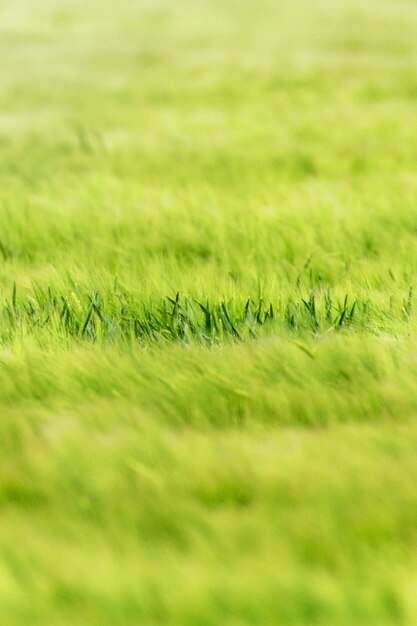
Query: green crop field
column 208, row 333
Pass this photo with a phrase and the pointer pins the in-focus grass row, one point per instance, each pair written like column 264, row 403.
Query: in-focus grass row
column 119, row 316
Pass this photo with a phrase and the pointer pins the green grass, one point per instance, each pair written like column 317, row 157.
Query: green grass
column 208, row 333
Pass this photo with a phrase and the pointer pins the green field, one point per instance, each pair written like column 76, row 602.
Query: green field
column 208, row 348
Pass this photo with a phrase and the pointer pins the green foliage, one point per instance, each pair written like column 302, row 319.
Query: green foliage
column 208, row 251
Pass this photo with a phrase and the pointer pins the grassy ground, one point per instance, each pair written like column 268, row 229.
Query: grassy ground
column 208, row 247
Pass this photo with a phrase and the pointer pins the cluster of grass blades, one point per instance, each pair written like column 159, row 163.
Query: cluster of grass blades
column 114, row 315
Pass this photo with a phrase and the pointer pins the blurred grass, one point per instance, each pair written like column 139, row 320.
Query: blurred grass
column 207, row 321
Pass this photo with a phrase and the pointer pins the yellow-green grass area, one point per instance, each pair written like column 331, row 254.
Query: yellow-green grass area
column 208, row 351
